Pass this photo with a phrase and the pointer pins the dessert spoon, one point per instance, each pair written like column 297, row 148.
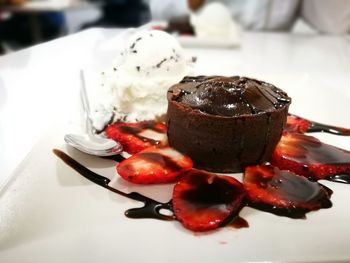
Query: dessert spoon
column 91, row 143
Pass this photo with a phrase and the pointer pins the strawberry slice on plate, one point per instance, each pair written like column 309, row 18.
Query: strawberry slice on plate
column 204, row 201
column 297, row 124
column 154, row 166
column 301, row 125
column 135, row 137
column 282, row 192
column 307, row 156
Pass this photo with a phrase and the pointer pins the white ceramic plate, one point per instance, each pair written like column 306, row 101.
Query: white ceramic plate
column 50, row 213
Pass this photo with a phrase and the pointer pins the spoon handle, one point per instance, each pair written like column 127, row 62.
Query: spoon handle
column 85, row 103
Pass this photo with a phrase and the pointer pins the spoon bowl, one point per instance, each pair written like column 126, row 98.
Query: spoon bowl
column 98, row 146
column 91, row 143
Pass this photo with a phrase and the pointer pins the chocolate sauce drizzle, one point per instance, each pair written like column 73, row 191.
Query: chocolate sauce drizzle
column 151, row 208
column 311, row 155
column 320, row 127
column 118, row 158
column 283, row 193
column 135, row 131
column 162, row 160
column 339, row 178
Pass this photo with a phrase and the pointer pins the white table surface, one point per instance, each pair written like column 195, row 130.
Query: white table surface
column 38, row 85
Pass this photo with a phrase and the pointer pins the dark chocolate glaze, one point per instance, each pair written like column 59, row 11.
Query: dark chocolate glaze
column 316, row 152
column 209, row 194
column 161, row 160
column 312, row 158
column 298, row 212
column 298, row 194
column 154, row 158
column 135, row 131
column 230, row 96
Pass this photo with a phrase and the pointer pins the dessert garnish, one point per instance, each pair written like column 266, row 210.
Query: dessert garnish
column 301, row 125
column 282, row 192
column 134, row 87
column 204, row 201
column 137, row 136
column 307, row 156
column 154, row 166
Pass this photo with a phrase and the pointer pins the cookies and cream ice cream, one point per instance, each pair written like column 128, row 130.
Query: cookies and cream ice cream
column 136, row 86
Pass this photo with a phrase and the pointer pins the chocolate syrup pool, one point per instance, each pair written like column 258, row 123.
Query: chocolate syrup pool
column 164, row 211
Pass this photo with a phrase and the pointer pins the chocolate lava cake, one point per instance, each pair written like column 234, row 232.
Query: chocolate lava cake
column 225, row 123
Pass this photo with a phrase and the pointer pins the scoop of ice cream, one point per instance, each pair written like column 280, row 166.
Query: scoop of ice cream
column 137, row 84
column 153, row 54
column 214, row 20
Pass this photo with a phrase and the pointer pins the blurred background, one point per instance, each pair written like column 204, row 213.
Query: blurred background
column 28, row 22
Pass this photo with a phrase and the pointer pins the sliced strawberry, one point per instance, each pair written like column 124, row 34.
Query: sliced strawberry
column 204, row 201
column 154, row 165
column 297, row 124
column 135, row 137
column 282, row 192
column 309, row 157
